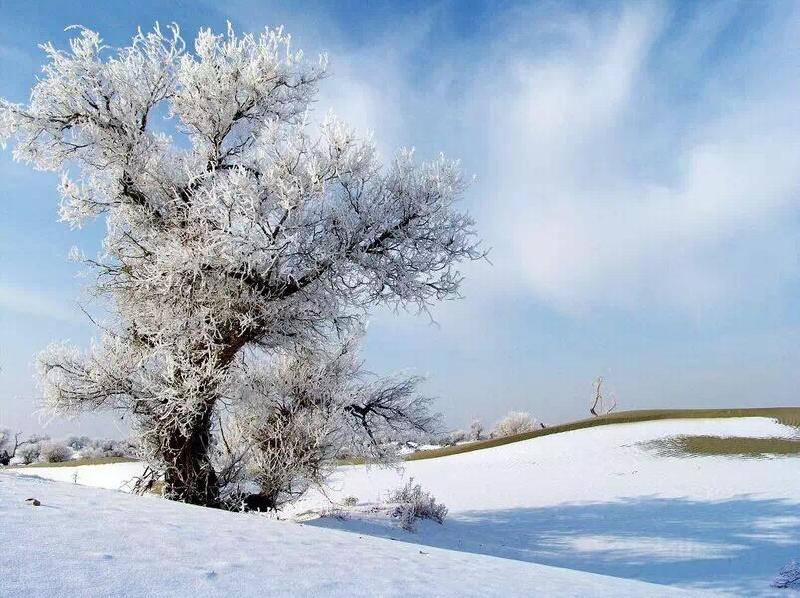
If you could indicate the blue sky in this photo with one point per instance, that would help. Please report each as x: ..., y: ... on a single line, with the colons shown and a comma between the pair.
x: 638, y: 177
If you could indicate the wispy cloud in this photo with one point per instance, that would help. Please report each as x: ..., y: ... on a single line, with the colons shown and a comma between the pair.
x: 624, y: 181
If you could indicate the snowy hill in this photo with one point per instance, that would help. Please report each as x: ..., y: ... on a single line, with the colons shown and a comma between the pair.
x: 92, y: 542
x: 595, y: 500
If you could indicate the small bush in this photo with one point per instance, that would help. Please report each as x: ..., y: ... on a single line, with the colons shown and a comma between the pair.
x: 350, y: 501
x: 97, y: 449
x: 789, y: 576
x: 55, y: 452
x: 92, y: 452
x: 413, y: 503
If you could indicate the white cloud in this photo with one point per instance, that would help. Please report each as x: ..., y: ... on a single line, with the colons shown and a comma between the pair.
x: 601, y: 201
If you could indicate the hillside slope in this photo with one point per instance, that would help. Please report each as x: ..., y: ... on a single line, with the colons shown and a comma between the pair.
x: 785, y: 415
x: 92, y: 542
x: 597, y: 499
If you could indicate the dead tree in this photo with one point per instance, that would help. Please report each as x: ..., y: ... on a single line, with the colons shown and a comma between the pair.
x: 598, y: 407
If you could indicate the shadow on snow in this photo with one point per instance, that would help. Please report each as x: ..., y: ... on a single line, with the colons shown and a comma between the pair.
x: 737, y: 544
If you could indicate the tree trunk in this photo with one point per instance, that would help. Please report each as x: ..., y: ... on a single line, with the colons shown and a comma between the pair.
x: 189, y: 474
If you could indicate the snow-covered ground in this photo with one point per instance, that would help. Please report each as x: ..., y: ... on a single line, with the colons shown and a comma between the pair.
x: 116, y: 476
x: 595, y: 500
x: 592, y: 500
x: 92, y: 542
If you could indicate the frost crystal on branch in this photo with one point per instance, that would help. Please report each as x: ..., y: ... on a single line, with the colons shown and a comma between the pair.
x: 235, y: 226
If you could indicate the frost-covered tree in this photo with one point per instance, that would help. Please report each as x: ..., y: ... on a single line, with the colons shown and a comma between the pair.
x: 476, y: 430
x: 54, y: 451
x: 78, y: 443
x: 234, y: 225
x: 28, y: 452
x: 456, y: 436
x: 788, y: 576
x: 516, y: 422
x: 300, y: 413
x: 9, y: 443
